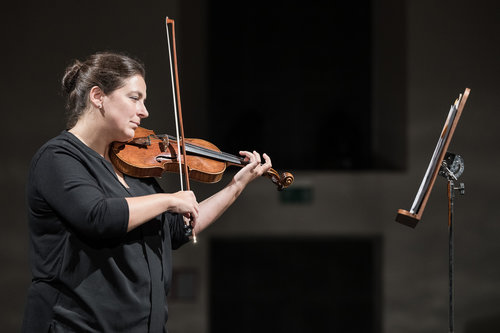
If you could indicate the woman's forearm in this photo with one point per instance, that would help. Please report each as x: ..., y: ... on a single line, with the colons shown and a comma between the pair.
x: 213, y: 207
x: 145, y: 208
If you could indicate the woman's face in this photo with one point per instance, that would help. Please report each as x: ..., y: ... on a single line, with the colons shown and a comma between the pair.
x: 124, y: 108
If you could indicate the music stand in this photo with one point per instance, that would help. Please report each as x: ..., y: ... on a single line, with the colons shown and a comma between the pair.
x: 447, y: 165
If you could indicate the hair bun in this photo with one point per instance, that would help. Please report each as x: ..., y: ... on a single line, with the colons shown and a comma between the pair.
x: 70, y: 76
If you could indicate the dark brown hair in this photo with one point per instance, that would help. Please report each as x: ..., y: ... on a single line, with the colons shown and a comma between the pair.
x: 106, y: 70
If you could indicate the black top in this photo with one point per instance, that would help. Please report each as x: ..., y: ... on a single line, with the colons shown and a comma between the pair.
x: 89, y: 274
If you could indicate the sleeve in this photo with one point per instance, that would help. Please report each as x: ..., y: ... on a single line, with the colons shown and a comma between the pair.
x: 74, y: 194
x: 178, y: 231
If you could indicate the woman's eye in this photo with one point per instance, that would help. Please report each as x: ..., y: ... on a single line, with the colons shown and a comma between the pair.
x: 136, y: 98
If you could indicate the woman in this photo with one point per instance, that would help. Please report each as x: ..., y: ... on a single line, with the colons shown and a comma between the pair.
x: 100, y: 240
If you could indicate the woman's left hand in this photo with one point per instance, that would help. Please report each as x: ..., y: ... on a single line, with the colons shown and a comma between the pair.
x: 253, y: 169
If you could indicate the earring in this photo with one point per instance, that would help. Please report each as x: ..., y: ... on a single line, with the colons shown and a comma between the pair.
x: 99, y: 106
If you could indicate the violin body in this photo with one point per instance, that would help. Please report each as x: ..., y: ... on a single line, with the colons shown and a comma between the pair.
x: 158, y: 157
x: 151, y: 155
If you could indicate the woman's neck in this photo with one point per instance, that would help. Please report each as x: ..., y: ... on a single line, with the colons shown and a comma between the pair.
x: 95, y: 136
x: 92, y: 136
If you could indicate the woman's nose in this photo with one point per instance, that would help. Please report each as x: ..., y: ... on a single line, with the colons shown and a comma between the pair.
x: 143, y: 112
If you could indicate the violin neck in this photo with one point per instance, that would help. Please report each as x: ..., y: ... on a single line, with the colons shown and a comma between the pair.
x: 216, y: 155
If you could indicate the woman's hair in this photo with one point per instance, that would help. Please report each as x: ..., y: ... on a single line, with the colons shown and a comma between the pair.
x: 106, y: 70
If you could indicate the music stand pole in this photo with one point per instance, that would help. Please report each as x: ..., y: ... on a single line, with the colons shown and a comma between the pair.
x: 446, y: 172
x: 451, y: 257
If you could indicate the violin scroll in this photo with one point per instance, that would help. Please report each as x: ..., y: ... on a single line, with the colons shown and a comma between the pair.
x: 282, y: 181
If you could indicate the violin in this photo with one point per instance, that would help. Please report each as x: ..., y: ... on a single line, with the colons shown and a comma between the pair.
x: 150, y: 155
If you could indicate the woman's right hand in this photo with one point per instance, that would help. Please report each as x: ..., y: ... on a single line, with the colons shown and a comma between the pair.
x: 184, y: 202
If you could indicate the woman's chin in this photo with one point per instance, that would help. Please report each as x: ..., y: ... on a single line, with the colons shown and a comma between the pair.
x: 130, y: 136
x: 126, y: 136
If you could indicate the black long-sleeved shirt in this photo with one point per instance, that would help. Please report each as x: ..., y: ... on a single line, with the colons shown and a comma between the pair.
x: 89, y: 274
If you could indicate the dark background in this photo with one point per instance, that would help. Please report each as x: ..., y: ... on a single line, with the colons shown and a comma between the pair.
x: 298, y: 77
x: 353, y: 107
x: 295, y: 284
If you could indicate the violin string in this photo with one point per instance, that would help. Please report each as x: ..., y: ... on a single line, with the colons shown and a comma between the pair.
x: 214, y: 154
x: 175, y: 105
x: 211, y: 153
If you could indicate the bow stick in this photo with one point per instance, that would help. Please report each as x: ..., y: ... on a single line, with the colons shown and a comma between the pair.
x: 174, y: 74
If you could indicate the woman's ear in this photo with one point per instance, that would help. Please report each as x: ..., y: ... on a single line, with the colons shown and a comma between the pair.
x: 96, y: 96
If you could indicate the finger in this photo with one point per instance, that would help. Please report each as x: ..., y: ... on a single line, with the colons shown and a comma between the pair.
x: 257, y: 156
x: 191, y: 222
x: 268, y: 163
x: 250, y: 158
x: 197, y: 209
x: 191, y: 195
x: 194, y: 216
x: 191, y: 198
x: 248, y: 155
x: 190, y: 217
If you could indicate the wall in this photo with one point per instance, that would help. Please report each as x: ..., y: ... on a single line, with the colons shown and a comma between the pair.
x: 449, y: 46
